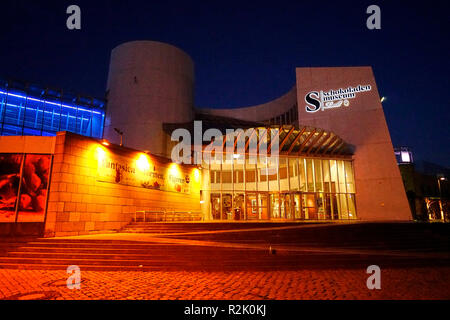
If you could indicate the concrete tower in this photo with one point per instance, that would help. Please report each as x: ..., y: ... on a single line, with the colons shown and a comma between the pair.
x: 149, y: 83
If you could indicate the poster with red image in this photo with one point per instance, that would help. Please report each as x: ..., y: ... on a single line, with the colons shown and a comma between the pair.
x: 33, y: 190
x: 10, y: 165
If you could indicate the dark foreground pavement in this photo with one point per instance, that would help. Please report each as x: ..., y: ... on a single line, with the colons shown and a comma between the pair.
x: 186, y: 261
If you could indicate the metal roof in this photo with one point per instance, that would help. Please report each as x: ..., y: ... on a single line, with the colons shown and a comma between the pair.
x: 292, y: 140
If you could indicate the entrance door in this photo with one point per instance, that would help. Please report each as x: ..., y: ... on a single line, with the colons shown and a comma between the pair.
x: 215, y: 206
x: 252, y: 207
x: 274, y: 206
x: 309, y: 206
x: 238, y: 207
x: 287, y: 214
x: 227, y: 206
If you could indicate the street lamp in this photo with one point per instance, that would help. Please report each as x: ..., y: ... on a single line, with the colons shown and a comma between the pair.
x: 441, y: 178
x: 121, y: 135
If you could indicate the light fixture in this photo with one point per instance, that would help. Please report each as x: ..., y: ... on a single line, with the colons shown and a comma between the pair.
x: 142, y: 163
x: 120, y: 132
x: 105, y: 142
x: 382, y: 99
x: 236, y: 156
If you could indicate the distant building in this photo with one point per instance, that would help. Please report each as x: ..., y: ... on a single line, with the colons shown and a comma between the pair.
x: 427, y: 187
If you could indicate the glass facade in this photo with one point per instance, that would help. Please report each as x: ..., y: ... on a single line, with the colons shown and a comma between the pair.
x: 31, y: 110
x: 287, y: 189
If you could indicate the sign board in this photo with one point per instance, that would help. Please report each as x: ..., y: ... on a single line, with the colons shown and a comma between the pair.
x: 144, y: 172
x: 323, y: 100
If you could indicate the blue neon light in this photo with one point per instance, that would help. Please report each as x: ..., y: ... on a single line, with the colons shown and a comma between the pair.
x: 33, y: 119
x: 48, y: 102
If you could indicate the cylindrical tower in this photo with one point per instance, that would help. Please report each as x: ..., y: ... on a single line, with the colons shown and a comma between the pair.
x: 149, y: 83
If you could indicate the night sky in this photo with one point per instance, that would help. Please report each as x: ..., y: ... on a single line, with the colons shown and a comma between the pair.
x: 245, y: 52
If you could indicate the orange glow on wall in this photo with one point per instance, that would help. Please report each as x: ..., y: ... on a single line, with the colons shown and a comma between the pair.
x: 143, y: 163
x: 101, y: 154
x: 196, y: 175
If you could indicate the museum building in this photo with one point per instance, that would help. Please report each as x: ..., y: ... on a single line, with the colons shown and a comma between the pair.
x: 320, y: 152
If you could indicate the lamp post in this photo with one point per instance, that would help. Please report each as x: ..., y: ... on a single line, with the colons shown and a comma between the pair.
x: 441, y: 178
x: 121, y: 135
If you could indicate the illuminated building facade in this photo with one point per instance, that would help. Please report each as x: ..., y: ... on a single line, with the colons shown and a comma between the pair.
x: 329, y: 156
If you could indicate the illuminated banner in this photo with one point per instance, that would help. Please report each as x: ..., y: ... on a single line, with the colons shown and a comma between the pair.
x: 31, y: 181
x: 322, y: 100
x: 144, y: 172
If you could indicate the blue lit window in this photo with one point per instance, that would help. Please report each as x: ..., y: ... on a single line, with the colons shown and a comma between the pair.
x: 32, y: 110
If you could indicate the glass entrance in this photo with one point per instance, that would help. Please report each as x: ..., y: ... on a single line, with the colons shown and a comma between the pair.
x: 252, y: 207
x: 215, y: 206
x: 238, y: 207
x: 227, y: 205
x: 274, y: 206
x: 286, y: 206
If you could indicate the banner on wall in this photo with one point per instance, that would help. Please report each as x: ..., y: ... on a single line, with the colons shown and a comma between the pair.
x: 144, y: 172
x: 30, y: 204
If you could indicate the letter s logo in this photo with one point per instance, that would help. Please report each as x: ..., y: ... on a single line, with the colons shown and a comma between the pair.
x: 312, y: 99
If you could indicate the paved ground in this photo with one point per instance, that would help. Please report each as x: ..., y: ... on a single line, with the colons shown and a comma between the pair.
x: 323, y: 262
x: 416, y: 283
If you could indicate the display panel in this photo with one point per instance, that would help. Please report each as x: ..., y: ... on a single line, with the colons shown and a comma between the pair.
x: 10, y: 166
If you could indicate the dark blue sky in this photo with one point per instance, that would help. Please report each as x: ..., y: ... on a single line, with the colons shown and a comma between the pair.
x: 245, y: 52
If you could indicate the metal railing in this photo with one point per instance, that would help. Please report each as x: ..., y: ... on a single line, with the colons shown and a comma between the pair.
x: 165, y: 216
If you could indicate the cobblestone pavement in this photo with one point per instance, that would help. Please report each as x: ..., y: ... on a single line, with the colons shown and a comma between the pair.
x: 411, y: 283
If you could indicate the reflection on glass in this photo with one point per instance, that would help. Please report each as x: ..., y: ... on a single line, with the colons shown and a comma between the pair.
x: 318, y: 174
x: 297, y: 206
x: 250, y: 176
x: 343, y: 203
x: 293, y: 174
x: 349, y: 177
x: 238, y: 207
x: 283, y: 173
x: 252, y: 206
x: 302, y: 172
x: 263, y: 213
x: 33, y: 191
x: 351, y: 206
x: 320, y: 201
x: 274, y: 205
x: 227, y: 206
x: 309, y: 206
x: 215, y: 206
x: 341, y: 176
x: 326, y: 175
x: 310, y: 175
x: 9, y: 185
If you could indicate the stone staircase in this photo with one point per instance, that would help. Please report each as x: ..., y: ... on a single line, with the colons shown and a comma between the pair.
x: 188, y: 227
x: 124, y: 255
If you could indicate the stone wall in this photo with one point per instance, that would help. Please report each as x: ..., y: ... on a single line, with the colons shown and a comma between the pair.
x: 79, y: 204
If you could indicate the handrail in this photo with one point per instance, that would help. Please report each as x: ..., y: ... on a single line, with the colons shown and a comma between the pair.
x: 164, y: 215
